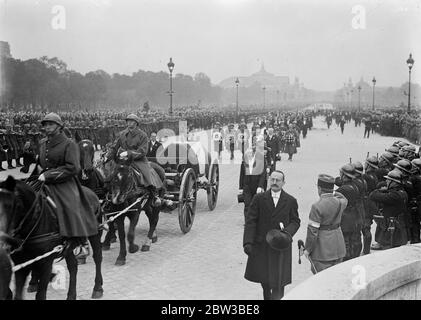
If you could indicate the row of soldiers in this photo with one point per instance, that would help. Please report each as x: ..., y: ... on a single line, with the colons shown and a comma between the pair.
x: 21, y: 132
x: 386, y: 190
x: 281, y: 134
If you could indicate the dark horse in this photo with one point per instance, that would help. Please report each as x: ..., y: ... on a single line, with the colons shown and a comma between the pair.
x: 31, y: 222
x: 123, y: 190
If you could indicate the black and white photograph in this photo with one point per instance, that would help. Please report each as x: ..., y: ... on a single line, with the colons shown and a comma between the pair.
x: 231, y: 151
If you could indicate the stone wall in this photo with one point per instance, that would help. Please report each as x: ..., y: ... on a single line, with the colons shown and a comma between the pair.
x: 385, y: 275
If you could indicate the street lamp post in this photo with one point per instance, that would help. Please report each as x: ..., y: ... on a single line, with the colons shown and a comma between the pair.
x: 347, y: 99
x: 236, y: 101
x: 264, y: 98
x: 359, y: 98
x: 410, y: 63
x: 374, y: 84
x: 171, y: 68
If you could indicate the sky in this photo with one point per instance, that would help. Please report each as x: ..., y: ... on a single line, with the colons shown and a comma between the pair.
x: 323, y: 43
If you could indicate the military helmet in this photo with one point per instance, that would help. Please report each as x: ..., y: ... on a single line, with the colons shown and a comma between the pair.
x: 133, y: 117
x: 409, y: 148
x: 403, y: 144
x: 416, y: 163
x: 403, y: 165
x: 388, y: 157
x: 348, y: 170
x: 395, y: 175
x: 393, y: 150
x: 358, y: 167
x: 372, y: 162
x: 52, y: 117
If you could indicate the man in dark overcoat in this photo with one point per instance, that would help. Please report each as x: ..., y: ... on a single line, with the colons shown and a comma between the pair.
x: 273, y: 209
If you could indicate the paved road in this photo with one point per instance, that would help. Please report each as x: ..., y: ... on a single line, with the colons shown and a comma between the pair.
x: 208, y: 262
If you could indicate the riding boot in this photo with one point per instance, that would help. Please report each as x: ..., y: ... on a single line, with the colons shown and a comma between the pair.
x: 18, y: 163
x: 9, y: 164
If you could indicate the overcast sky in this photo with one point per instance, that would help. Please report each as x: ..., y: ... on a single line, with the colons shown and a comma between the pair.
x: 312, y: 40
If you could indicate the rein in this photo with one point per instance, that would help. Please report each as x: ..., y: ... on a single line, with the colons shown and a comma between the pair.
x: 31, y: 209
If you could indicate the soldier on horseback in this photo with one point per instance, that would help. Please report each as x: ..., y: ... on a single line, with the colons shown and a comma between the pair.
x: 58, y: 166
x: 132, y: 146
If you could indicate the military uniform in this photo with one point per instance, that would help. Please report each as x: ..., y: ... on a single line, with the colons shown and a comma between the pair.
x: 135, y: 142
x: 325, y: 242
x: 351, y: 219
x: 391, y: 229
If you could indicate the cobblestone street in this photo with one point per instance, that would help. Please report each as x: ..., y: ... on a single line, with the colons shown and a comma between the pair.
x: 208, y: 262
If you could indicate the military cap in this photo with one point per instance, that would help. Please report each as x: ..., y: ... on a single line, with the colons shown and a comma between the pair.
x: 372, y: 162
x: 133, y: 117
x: 404, y: 165
x: 52, y: 117
x: 358, y: 167
x: 348, y: 170
x: 325, y: 181
x: 278, y: 239
x: 395, y: 175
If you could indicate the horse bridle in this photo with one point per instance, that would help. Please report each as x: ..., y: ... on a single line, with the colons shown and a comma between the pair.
x: 30, y: 210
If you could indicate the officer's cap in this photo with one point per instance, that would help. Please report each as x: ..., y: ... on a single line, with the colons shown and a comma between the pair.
x: 278, y: 239
x: 325, y: 181
x: 394, y: 175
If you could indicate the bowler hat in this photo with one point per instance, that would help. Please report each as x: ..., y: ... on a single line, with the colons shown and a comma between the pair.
x: 278, y: 239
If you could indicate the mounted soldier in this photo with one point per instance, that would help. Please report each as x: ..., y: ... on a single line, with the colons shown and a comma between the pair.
x: 132, y: 146
x: 58, y: 166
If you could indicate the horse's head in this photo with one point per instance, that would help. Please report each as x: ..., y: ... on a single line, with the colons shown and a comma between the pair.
x: 121, y: 184
x: 15, y: 200
x: 87, y: 152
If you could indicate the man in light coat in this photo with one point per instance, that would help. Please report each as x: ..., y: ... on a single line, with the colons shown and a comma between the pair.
x: 325, y: 244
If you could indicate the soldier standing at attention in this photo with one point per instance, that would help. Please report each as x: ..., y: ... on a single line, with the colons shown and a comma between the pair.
x: 325, y: 244
x: 391, y: 229
x: 350, y: 222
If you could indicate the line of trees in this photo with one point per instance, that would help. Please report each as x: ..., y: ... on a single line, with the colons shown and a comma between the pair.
x: 47, y: 83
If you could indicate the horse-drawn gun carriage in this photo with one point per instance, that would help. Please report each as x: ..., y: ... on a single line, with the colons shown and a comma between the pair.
x: 188, y: 168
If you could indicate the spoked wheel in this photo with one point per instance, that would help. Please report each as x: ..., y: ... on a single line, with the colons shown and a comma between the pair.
x: 213, y: 185
x: 187, y: 200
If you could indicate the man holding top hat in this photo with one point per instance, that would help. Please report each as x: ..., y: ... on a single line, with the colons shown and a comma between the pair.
x: 271, y: 222
x: 325, y: 244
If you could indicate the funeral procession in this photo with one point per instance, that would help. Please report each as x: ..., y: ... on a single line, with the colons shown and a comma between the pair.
x: 210, y: 150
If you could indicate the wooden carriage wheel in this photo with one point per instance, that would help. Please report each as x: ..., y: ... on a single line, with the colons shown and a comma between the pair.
x: 187, y: 200
x: 213, y: 185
